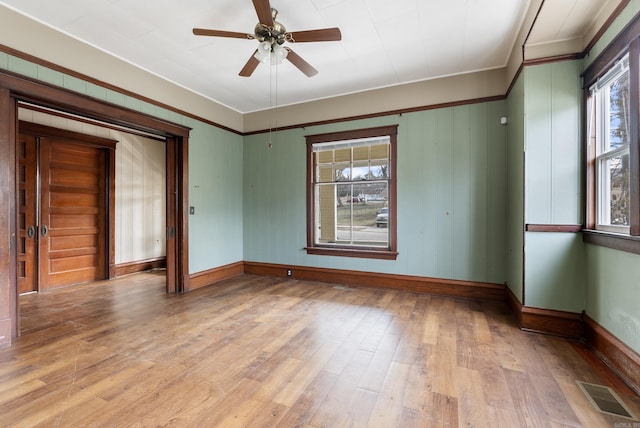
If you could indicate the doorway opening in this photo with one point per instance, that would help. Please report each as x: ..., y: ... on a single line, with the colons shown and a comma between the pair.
x: 91, y: 201
x: 15, y: 90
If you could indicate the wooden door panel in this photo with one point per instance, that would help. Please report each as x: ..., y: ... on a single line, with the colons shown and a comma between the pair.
x: 73, y: 210
x: 26, y: 242
x: 61, y: 243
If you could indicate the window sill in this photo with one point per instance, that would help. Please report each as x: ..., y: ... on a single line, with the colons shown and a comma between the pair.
x: 626, y: 243
x: 347, y: 252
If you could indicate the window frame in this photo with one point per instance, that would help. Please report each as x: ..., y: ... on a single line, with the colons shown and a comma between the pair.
x: 604, y: 153
x: 386, y: 253
x: 627, y: 42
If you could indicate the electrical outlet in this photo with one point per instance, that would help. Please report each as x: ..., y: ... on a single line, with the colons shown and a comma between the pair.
x: 288, y: 272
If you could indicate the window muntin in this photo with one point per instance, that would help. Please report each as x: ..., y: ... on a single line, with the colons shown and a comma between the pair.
x: 611, y: 95
x: 351, y: 193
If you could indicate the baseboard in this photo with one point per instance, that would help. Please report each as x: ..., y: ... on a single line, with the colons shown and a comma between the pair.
x: 546, y: 321
x: 211, y: 276
x: 621, y: 359
x: 447, y: 287
x: 140, y: 266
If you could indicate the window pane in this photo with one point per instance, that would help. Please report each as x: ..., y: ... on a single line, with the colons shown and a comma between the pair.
x: 343, y: 218
x: 619, y: 112
x: 619, y: 190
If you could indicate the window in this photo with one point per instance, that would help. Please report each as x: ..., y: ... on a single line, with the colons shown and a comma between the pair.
x: 351, y: 201
x: 611, y: 109
x: 612, y: 94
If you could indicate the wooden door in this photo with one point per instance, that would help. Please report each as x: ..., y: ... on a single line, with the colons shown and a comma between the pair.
x: 72, y: 214
x: 62, y: 207
x: 27, y: 221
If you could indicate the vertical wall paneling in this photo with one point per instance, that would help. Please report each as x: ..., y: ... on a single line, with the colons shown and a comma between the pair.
x: 410, y: 203
x: 555, y: 274
x: 445, y: 194
x: 553, y: 278
x: 216, y: 193
x: 496, y: 232
x: 515, y: 190
x: 140, y: 199
x: 553, y: 149
x: 444, y: 212
x: 430, y: 179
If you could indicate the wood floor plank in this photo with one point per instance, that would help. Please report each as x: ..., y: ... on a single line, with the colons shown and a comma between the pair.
x: 388, y: 409
x: 265, y: 352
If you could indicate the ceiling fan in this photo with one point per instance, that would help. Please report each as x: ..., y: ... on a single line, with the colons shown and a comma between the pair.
x: 272, y: 35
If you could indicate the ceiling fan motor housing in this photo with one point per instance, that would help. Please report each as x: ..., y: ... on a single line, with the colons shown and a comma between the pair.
x: 275, y: 34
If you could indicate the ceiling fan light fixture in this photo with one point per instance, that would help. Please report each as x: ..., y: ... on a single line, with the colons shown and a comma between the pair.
x: 270, y: 53
x: 278, y: 54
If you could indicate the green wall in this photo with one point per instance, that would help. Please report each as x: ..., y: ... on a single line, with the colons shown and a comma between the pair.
x: 613, y: 292
x: 515, y: 190
x: 554, y: 274
x: 613, y: 277
x: 215, y: 169
x: 451, y: 195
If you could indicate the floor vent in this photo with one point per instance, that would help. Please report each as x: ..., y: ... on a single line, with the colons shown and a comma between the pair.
x: 605, y: 400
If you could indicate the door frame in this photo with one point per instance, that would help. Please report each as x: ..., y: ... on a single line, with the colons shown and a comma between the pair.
x: 15, y: 88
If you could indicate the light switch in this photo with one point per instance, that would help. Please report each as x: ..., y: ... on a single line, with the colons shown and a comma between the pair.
x: 192, y: 210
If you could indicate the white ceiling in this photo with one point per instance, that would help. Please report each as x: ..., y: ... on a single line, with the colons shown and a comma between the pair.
x: 383, y: 43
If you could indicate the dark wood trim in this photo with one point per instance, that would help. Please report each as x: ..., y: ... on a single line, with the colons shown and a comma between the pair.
x: 546, y: 321
x: 552, y: 59
x: 626, y: 243
x: 514, y: 304
x: 389, y: 253
x: 398, y: 112
x: 590, y: 161
x: 356, y: 253
x: 111, y: 214
x: 613, y: 52
x: 624, y: 361
x: 69, y: 136
x: 182, y: 232
x: 634, y: 137
x: 8, y: 235
x: 53, y: 97
x: 623, y: 4
x: 139, y: 266
x: 514, y: 80
x: 80, y: 119
x: 446, y: 287
x: 559, y: 228
x: 89, y: 79
x: 211, y: 276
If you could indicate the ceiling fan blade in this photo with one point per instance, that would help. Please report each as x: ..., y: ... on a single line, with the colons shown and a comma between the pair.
x: 219, y: 33
x: 263, y: 10
x: 250, y: 66
x: 323, y: 35
x: 301, y: 64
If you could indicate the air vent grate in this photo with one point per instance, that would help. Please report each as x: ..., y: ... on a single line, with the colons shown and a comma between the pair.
x: 605, y: 400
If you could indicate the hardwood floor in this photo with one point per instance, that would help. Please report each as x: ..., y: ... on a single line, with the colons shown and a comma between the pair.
x: 257, y: 351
